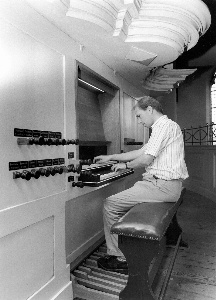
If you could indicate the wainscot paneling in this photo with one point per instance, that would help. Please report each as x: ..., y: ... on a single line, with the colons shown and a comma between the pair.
x: 201, y: 164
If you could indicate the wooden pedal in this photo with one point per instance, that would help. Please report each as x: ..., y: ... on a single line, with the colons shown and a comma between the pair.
x: 99, y: 274
x: 88, y: 293
x: 93, y: 265
x: 95, y: 279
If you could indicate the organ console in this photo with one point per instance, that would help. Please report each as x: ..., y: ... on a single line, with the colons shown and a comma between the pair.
x: 49, y: 189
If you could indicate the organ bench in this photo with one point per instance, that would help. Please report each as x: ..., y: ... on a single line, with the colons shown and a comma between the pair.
x: 143, y: 234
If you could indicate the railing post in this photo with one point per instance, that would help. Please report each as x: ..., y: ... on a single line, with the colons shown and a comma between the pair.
x: 200, y: 137
x: 208, y: 134
x: 184, y: 135
x: 212, y: 133
x: 213, y: 128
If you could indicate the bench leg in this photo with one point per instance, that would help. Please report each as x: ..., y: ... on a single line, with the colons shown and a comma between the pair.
x: 139, y: 254
x: 173, y: 232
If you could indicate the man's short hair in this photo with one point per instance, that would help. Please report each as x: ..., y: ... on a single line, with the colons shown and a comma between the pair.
x: 146, y: 101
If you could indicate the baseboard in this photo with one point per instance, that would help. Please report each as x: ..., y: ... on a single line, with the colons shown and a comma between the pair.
x: 65, y: 293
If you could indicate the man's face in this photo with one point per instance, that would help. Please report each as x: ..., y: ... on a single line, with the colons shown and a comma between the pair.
x: 145, y: 117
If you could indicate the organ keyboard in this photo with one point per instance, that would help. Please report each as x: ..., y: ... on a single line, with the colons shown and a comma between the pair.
x: 99, y: 174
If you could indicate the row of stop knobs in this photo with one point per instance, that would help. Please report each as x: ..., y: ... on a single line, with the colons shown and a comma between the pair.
x: 46, y: 141
x: 52, y: 141
x: 36, y: 173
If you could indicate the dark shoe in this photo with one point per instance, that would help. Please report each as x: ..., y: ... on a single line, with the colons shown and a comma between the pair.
x: 111, y: 263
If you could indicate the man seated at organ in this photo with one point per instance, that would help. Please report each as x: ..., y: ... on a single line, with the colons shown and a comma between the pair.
x: 165, y: 169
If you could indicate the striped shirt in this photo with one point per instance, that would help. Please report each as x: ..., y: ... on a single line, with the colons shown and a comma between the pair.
x: 167, y: 146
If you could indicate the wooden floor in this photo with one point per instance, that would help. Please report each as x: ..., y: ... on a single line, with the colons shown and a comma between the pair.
x: 194, y: 274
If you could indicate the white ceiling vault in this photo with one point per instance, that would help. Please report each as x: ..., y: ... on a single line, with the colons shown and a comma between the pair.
x: 138, y: 39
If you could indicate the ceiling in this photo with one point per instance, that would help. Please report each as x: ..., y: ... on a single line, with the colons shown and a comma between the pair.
x: 112, y: 52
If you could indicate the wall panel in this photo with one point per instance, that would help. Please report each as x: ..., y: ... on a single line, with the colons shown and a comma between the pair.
x: 32, y: 97
x: 18, y: 248
x: 201, y: 166
x: 32, y: 213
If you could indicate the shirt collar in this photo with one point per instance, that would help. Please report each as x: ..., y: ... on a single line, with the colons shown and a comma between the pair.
x: 159, y: 120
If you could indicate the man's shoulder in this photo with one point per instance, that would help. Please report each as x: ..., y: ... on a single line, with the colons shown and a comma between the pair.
x: 164, y: 123
x: 168, y: 126
x: 164, y: 120
x: 171, y: 122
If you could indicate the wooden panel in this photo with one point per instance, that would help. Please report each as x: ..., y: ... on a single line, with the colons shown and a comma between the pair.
x: 200, y: 162
x: 196, y: 165
x: 32, y: 97
x: 214, y: 171
x: 32, y: 249
x: 129, y: 117
x: 89, y: 116
x: 109, y: 106
x: 132, y: 129
x: 84, y: 221
x: 27, y: 261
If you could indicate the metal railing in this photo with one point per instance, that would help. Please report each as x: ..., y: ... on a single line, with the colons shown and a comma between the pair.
x: 202, y: 135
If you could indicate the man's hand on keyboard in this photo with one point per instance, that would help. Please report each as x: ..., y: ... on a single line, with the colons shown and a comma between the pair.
x: 119, y: 166
x: 102, y: 159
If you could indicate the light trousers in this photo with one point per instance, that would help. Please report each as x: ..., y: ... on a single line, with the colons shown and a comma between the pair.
x: 147, y: 190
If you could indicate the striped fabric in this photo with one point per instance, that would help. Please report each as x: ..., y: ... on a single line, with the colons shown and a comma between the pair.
x: 167, y: 146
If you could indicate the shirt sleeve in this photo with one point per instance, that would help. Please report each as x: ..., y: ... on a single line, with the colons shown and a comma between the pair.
x: 158, y: 140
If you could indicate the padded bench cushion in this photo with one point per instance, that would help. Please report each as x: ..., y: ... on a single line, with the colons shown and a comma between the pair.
x: 147, y: 220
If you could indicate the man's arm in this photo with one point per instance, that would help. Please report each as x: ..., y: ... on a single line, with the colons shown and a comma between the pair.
x: 124, y: 157
x: 141, y: 161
